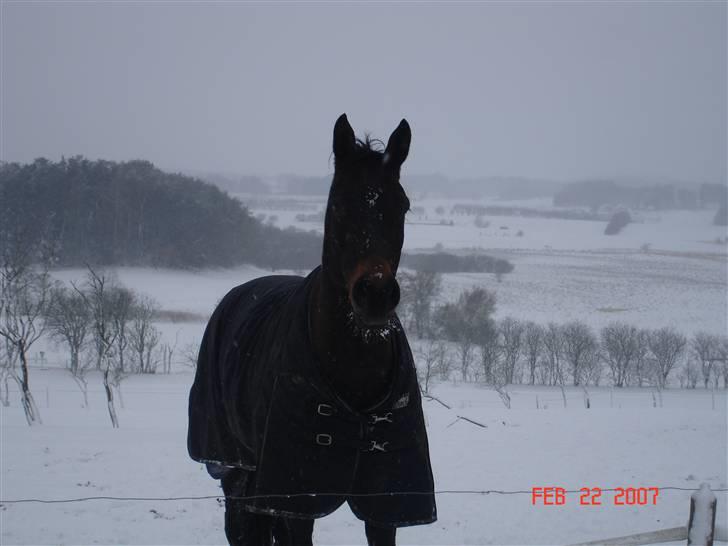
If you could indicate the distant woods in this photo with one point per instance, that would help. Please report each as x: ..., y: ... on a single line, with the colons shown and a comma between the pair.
x: 599, y: 193
x: 78, y: 211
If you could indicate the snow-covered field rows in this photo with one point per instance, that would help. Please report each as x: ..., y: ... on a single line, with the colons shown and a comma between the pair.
x: 622, y: 441
x: 678, y: 231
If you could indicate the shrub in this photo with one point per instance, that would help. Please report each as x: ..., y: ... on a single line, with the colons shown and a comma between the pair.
x: 618, y: 221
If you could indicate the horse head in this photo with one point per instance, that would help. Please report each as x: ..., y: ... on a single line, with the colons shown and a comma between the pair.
x: 364, y: 224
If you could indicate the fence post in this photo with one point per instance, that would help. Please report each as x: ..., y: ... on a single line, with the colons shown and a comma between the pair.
x: 701, y: 526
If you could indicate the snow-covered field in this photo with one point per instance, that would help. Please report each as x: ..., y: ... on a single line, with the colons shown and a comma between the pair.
x: 564, y: 270
x: 622, y: 441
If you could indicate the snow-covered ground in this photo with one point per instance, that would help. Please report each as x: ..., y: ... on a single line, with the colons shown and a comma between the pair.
x: 564, y: 270
x: 622, y: 441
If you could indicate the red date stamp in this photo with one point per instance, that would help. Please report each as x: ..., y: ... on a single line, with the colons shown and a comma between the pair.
x: 596, y: 496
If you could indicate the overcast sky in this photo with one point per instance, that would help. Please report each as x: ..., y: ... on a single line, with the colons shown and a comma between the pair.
x: 557, y: 91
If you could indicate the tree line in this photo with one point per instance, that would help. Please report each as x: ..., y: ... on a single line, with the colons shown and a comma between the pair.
x: 78, y: 211
x: 464, y: 339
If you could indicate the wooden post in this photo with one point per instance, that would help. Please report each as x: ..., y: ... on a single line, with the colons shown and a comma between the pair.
x: 701, y: 527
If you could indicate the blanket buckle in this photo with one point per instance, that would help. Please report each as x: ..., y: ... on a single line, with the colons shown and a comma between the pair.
x: 325, y: 410
x: 386, y: 418
x: 324, y: 439
x: 378, y: 446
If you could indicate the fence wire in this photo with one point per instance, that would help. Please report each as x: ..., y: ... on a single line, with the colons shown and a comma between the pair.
x: 298, y: 495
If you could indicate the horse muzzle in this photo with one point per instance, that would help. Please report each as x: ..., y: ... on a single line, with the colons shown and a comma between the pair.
x: 374, y: 297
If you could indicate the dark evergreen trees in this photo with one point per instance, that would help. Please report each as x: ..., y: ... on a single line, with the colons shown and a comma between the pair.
x: 132, y: 213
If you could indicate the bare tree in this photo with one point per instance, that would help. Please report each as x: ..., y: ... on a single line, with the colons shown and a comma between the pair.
x: 122, y: 307
x: 431, y: 355
x: 723, y: 354
x: 705, y: 348
x: 591, y: 369
x: 511, y: 336
x: 620, y: 343
x: 667, y: 347
x: 553, y: 343
x: 690, y: 374
x: 640, y: 368
x: 491, y: 350
x: 24, y: 296
x: 143, y: 336
x: 532, y: 345
x: 579, y: 346
x: 8, y: 363
x: 97, y: 294
x: 68, y: 318
x: 190, y: 352
x: 79, y: 376
x: 419, y: 290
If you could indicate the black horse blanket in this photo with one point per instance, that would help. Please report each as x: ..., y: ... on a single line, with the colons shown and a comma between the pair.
x: 259, y: 403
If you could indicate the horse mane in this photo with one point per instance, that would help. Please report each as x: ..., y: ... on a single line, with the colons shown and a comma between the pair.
x: 369, y: 146
x: 367, y: 150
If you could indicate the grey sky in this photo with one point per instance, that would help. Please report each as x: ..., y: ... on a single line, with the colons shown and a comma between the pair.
x: 559, y: 91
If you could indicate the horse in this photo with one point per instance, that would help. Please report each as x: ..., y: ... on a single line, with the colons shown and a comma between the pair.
x: 305, y: 394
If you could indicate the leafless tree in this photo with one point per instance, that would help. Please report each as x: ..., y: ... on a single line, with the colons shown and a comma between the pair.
x: 25, y: 294
x: 640, y: 368
x: 166, y: 354
x: 591, y: 369
x: 705, y: 349
x: 189, y: 354
x: 620, y: 344
x: 79, y: 376
x: 431, y: 354
x: 97, y: 293
x: 122, y: 308
x: 491, y: 350
x: 553, y: 343
x: 511, y: 337
x: 532, y: 346
x: 143, y: 336
x: 68, y: 318
x: 667, y: 347
x: 8, y: 364
x: 723, y: 355
x: 579, y: 346
x: 419, y: 290
x: 690, y: 374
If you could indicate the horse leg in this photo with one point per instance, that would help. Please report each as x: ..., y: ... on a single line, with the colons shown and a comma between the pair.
x: 293, y: 532
x: 243, y: 528
x: 247, y: 529
x: 379, y: 535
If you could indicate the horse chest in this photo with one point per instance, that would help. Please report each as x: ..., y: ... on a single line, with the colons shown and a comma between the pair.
x: 364, y: 382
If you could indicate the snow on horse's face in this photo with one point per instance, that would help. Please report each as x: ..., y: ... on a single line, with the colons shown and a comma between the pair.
x: 364, y: 227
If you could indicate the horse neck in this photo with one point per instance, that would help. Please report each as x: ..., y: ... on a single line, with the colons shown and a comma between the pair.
x: 360, y: 372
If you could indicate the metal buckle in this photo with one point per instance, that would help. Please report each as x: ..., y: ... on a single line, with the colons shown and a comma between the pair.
x: 376, y: 446
x: 325, y: 410
x: 374, y: 418
x: 324, y: 439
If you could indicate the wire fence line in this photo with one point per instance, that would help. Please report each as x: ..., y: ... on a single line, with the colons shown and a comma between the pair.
x: 300, y: 495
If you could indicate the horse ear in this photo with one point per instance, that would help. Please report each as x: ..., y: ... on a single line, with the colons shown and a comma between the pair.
x: 398, y: 145
x: 344, y: 140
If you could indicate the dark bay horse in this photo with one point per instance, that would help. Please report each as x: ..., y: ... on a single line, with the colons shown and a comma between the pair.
x: 305, y: 395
